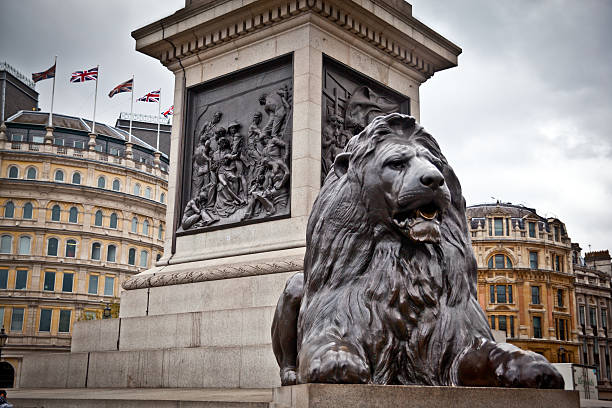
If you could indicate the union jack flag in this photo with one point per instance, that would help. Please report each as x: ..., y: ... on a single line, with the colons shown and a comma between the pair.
x: 170, y: 111
x: 39, y: 76
x: 87, y: 75
x: 123, y: 87
x: 150, y: 97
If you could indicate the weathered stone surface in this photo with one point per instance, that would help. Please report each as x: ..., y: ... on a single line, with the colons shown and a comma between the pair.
x: 61, y: 370
x: 95, y: 335
x: 358, y: 396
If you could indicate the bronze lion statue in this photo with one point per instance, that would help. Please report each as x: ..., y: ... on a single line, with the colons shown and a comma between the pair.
x: 388, y: 292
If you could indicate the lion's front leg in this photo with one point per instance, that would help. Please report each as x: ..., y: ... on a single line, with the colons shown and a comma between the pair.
x: 328, y: 360
x: 488, y: 364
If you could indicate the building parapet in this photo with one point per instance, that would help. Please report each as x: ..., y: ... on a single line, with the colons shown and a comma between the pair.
x: 4, y: 66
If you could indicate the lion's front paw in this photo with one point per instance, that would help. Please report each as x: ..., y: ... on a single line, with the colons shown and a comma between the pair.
x: 529, y: 372
x: 335, y: 364
x: 288, y: 376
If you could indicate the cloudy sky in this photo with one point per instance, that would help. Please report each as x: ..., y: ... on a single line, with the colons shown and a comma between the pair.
x: 525, y: 118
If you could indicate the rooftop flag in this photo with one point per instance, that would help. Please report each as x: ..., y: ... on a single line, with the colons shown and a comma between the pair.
x: 152, y: 96
x: 39, y: 76
x: 87, y: 75
x: 124, y: 87
x: 170, y: 111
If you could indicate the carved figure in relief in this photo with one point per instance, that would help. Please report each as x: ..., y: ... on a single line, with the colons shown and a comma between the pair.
x: 237, y: 155
x: 258, y: 196
x: 228, y: 200
x: 195, y: 215
x: 276, y: 105
x: 388, y: 292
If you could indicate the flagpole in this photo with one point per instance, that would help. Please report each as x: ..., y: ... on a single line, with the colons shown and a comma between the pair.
x: 158, y: 115
x: 93, y: 127
x: 131, y: 111
x: 53, y: 94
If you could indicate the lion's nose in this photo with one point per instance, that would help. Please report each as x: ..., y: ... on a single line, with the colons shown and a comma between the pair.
x: 432, y: 179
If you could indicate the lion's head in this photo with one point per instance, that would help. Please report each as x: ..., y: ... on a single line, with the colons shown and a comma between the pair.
x: 390, y: 188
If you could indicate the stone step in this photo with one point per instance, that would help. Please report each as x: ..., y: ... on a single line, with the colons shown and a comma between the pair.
x: 140, y: 398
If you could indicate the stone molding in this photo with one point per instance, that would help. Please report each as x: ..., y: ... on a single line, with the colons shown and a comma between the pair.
x: 401, y: 36
x: 238, y: 270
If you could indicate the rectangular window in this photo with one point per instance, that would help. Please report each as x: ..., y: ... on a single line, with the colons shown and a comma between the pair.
x: 560, y: 297
x: 561, y: 329
x: 557, y: 234
x: 67, y: 282
x: 557, y: 263
x: 109, y: 286
x: 532, y: 230
x: 490, y: 228
x: 49, y: 281
x: 93, y: 285
x: 79, y: 144
x: 535, y: 295
x: 510, y: 300
x: 499, y: 226
x: 17, y: 319
x: 593, y: 316
x: 99, y: 148
x: 493, y: 322
x: 511, y: 326
x: 58, y: 142
x: 604, y: 318
x: 64, y: 321
x: 581, y: 314
x: 537, y: 327
x: 501, y: 294
x: 45, y: 320
x: 492, y: 293
x: 21, y: 280
x: 3, y: 278
x: 499, y: 261
x: 38, y: 139
x: 502, y: 323
x: 507, y: 226
x: 533, y: 260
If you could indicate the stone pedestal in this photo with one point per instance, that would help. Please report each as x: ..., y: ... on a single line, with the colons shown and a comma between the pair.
x: 202, y: 316
x: 367, y: 396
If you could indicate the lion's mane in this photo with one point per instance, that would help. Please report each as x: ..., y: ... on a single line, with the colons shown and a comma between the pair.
x: 408, y: 308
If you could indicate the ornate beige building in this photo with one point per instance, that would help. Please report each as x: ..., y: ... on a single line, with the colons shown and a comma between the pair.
x: 79, y: 214
x: 525, y: 278
x: 594, y: 302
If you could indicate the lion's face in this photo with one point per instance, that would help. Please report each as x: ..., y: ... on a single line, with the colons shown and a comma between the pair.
x: 405, y: 190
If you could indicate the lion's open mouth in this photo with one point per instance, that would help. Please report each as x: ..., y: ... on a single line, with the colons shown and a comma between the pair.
x: 420, y: 224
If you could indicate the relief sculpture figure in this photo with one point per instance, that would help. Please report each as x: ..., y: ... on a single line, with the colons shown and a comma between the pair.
x: 388, y: 292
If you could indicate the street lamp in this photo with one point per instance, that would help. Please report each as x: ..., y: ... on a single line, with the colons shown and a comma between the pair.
x: 107, y: 312
x: 3, y: 339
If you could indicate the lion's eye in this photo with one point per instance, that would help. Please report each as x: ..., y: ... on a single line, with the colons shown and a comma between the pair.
x: 396, y: 164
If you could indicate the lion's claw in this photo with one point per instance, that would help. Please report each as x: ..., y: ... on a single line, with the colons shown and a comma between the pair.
x: 336, y: 365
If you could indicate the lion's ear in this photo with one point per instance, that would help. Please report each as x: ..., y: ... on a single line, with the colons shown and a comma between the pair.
x: 341, y: 163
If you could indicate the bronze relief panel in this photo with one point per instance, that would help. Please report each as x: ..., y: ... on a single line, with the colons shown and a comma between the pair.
x: 350, y: 101
x: 237, y: 150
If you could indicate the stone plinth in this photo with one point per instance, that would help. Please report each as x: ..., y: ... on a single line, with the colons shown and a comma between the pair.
x: 362, y: 396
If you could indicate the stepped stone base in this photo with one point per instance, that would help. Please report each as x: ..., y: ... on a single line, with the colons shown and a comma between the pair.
x: 299, y: 396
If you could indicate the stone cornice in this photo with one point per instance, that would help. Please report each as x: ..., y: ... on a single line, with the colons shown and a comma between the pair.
x: 382, y: 23
x: 238, y: 270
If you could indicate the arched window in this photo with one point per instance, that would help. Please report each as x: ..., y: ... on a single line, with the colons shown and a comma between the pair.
x: 113, y: 220
x: 9, y: 210
x: 116, y: 185
x: 145, y: 228
x: 148, y: 192
x: 95, y: 251
x: 56, y: 212
x: 59, y: 175
x: 98, y: 218
x: 132, y: 256
x: 13, y: 172
x: 137, y: 189
x: 157, y: 257
x: 76, y: 178
x: 6, y: 244
x: 143, y: 258
x: 24, y: 245
x: 31, y: 173
x: 162, y: 198
x: 52, y: 245
x: 28, y: 209
x: 73, y: 215
x: 111, y: 253
x: 160, y: 232
x: 499, y: 261
x: 71, y: 248
x: 101, y: 182
x: 135, y: 225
